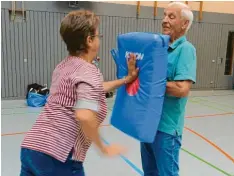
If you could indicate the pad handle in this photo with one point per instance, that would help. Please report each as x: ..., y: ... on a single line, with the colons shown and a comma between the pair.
x: 163, y: 38
x: 114, y: 54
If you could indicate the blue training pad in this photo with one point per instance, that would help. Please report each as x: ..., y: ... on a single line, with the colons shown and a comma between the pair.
x: 138, y: 106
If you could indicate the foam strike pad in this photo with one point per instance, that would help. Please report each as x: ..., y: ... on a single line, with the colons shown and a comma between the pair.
x: 138, y: 106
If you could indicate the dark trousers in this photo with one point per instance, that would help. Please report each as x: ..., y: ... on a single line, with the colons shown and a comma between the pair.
x: 35, y: 163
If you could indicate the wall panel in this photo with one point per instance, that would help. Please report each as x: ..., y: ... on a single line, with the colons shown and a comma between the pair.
x: 32, y: 49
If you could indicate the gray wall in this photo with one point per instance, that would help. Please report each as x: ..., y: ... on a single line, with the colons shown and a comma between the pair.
x: 31, y: 49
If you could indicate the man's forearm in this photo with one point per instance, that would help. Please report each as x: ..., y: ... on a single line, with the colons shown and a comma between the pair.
x: 177, y: 89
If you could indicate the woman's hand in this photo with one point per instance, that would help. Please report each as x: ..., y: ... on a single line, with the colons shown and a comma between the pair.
x: 132, y: 70
x: 113, y: 150
x: 132, y: 75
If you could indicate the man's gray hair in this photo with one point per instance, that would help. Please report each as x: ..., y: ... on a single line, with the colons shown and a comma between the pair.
x: 186, y: 12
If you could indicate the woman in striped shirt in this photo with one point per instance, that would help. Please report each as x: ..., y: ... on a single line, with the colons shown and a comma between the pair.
x: 58, y: 141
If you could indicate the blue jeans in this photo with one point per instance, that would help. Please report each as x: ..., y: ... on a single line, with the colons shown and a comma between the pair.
x: 161, y: 158
x: 35, y: 163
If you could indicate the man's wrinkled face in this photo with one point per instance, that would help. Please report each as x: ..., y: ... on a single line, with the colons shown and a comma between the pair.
x: 172, y: 23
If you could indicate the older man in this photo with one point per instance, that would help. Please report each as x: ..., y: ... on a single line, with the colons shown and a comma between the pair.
x: 161, y: 158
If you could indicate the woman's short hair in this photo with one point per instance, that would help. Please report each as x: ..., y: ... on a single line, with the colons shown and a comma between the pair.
x: 76, y: 27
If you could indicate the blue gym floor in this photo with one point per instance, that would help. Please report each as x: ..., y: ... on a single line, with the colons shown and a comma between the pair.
x: 207, y: 150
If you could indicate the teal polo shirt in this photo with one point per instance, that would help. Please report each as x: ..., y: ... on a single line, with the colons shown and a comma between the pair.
x: 181, y: 66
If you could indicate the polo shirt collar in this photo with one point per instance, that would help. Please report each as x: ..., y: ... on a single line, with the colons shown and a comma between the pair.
x: 178, y: 42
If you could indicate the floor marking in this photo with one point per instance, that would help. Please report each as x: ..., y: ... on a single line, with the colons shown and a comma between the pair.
x: 20, y: 133
x: 210, y: 106
x: 12, y: 113
x: 17, y: 107
x: 132, y: 165
x: 13, y: 134
x: 215, y: 102
x: 139, y: 171
x: 214, y: 95
x: 190, y: 130
x: 193, y: 100
x: 104, y: 125
x: 211, y: 143
x: 205, y: 139
x: 211, y: 115
x: 211, y: 165
x: 32, y: 112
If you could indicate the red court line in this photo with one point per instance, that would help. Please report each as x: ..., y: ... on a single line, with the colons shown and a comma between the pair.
x: 13, y: 134
x: 208, y: 115
x: 18, y: 133
x: 211, y: 143
x: 190, y: 130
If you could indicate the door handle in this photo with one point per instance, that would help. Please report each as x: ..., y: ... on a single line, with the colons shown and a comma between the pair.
x: 220, y: 60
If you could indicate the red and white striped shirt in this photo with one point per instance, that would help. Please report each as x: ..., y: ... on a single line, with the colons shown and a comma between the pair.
x: 75, y: 84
